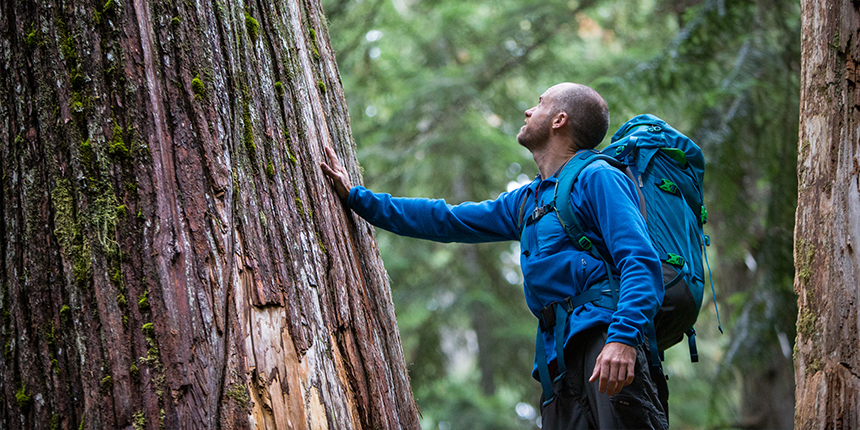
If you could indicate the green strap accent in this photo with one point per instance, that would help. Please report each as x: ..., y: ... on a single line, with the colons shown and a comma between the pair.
x: 584, y: 243
x: 668, y: 186
x: 704, y: 215
x: 675, y: 260
x: 620, y: 149
x: 566, y: 178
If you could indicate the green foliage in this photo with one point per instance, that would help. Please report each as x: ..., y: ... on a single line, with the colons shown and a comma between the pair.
x: 279, y: 88
x: 437, y: 92
x: 321, y: 86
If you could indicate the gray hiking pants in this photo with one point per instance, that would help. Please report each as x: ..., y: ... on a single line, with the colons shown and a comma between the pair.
x: 579, y: 404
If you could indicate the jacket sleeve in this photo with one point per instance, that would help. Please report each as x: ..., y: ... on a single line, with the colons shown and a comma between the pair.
x: 611, y: 201
x: 487, y: 221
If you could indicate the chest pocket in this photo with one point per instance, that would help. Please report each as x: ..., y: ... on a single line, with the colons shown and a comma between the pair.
x: 551, y: 237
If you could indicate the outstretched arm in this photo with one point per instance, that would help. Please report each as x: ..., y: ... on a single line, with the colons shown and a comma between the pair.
x: 487, y: 221
x: 338, y: 175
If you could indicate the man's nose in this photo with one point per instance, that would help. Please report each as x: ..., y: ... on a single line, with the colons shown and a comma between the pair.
x: 529, y: 112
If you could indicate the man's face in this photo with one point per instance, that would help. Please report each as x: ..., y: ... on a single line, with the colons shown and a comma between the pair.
x: 535, y: 133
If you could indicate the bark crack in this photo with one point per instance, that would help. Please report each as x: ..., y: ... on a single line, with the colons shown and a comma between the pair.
x: 849, y: 369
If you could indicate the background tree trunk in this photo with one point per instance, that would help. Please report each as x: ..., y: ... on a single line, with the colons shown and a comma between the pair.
x: 827, y: 234
x: 171, y: 254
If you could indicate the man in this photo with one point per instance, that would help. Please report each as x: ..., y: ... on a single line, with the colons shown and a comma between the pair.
x: 608, y: 381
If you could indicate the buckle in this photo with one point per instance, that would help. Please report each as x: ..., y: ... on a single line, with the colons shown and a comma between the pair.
x: 547, y: 317
x: 584, y: 243
x: 668, y: 186
x: 675, y: 260
x: 568, y: 304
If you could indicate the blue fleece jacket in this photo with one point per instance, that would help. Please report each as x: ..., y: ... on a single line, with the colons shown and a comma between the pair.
x: 606, y: 203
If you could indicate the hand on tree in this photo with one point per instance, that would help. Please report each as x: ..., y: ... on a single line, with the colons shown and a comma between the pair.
x: 338, y: 175
x: 614, y: 367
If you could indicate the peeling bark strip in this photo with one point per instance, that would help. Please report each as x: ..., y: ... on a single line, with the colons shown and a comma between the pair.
x: 827, y: 232
x: 170, y: 253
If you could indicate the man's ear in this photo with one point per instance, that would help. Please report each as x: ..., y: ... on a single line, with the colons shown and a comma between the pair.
x: 559, y: 120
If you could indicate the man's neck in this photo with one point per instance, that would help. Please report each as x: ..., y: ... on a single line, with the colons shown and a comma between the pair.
x: 551, y: 157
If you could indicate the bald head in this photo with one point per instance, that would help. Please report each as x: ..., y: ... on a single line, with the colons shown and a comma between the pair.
x: 588, y: 115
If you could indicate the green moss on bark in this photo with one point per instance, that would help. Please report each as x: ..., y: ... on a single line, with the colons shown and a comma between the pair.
x: 148, y: 330
x: 138, y: 420
x: 117, y: 147
x: 22, y: 397
x: 270, y: 171
x: 248, y: 134
x: 198, y: 87
x: 143, y: 301
x: 252, y: 26
x: 314, y: 49
x: 67, y: 230
x: 239, y: 393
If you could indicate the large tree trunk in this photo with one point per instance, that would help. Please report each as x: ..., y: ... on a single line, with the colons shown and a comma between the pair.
x: 827, y: 234
x: 171, y: 254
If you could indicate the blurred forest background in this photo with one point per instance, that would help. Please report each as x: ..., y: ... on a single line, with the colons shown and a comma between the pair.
x: 436, y: 91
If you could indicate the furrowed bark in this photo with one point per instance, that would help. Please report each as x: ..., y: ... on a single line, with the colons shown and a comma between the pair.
x: 827, y: 233
x: 171, y: 253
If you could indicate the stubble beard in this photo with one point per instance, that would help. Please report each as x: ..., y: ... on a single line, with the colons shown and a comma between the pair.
x: 534, y: 135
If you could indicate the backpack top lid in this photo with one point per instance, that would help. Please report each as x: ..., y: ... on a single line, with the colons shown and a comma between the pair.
x: 647, y: 125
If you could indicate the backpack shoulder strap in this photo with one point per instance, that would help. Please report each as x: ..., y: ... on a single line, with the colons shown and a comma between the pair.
x: 568, y: 176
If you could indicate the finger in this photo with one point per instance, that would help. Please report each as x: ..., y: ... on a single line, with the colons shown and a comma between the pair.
x: 604, y: 377
x: 333, y: 158
x: 630, y: 374
x: 619, y: 377
x: 612, y: 381
x: 328, y: 171
x: 596, y: 373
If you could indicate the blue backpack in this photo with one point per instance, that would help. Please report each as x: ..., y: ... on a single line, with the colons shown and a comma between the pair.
x: 668, y: 169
